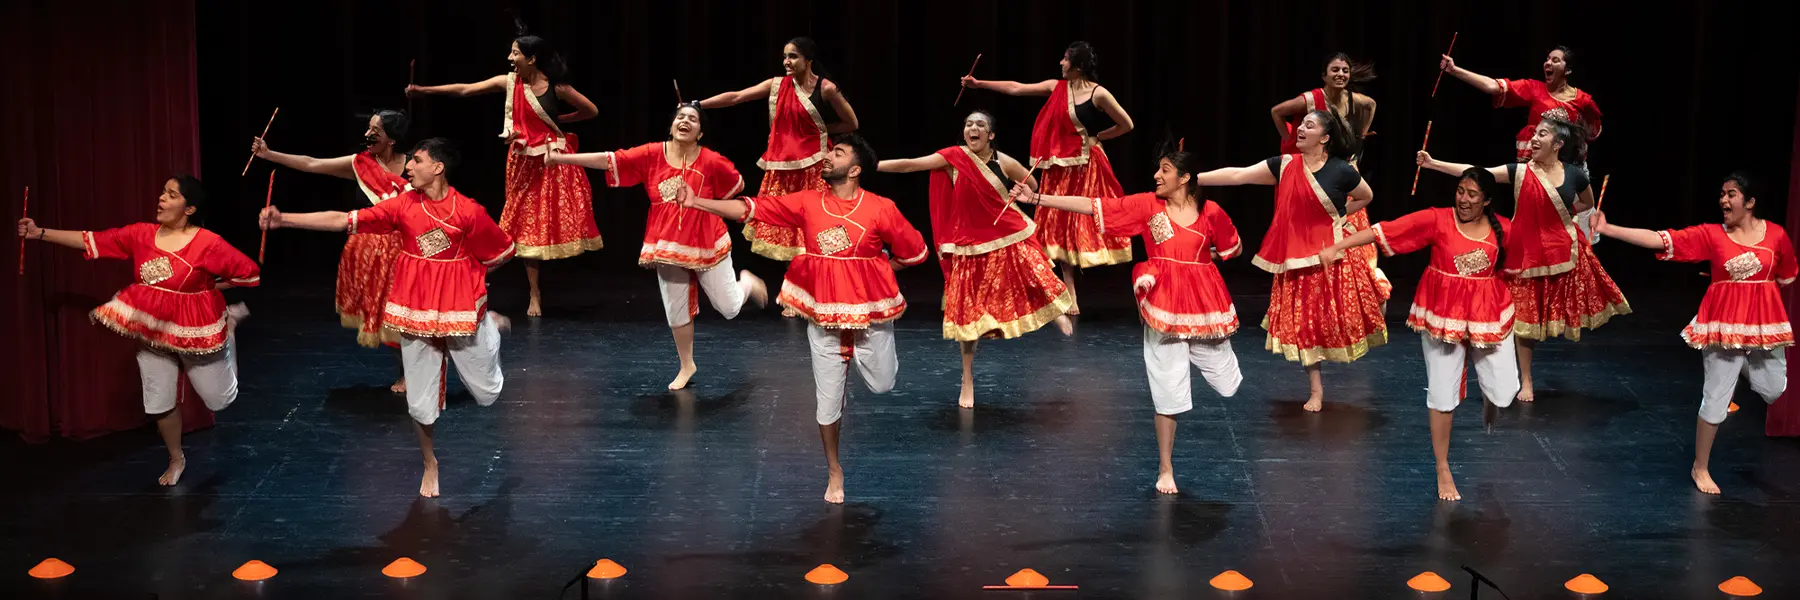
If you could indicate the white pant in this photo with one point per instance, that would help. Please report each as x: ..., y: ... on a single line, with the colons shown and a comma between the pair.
x: 1166, y: 360
x: 214, y: 376
x: 1497, y: 369
x: 833, y: 349
x: 1766, y: 370
x: 477, y: 359
x: 727, y: 292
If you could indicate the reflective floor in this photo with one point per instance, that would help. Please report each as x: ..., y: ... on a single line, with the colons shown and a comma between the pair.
x: 715, y: 492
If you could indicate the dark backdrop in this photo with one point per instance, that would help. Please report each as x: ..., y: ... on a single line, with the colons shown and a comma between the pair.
x: 1689, y: 93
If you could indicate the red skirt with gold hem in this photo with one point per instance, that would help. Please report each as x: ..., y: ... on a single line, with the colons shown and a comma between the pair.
x: 1563, y: 304
x: 777, y: 242
x: 1002, y: 294
x: 1315, y: 316
x: 1072, y: 238
x: 365, y: 272
x: 549, y: 208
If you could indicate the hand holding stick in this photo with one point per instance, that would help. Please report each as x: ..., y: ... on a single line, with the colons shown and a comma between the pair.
x: 1416, y: 169
x: 1009, y: 200
x: 24, y: 213
x: 267, y: 202
x: 1440, y: 77
x: 265, y: 134
x: 960, y: 90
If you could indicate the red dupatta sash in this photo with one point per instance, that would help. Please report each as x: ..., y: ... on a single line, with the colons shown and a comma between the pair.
x: 374, y: 180
x: 965, y: 200
x: 1542, y: 239
x: 1305, y: 221
x: 1057, y: 138
x: 526, y: 122
x: 797, y: 135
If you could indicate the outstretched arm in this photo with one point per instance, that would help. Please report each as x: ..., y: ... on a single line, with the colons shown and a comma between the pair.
x: 760, y: 90
x: 912, y: 165
x: 736, y: 210
x: 1331, y: 253
x: 1486, y: 84
x: 584, y: 108
x: 273, y: 218
x: 1013, y: 88
x: 339, y: 167
x: 490, y: 85
x: 1075, y: 204
x: 1631, y: 235
x: 846, y: 116
x: 1293, y: 107
x: 1423, y: 159
x: 28, y: 229
x: 1257, y: 174
x: 599, y: 161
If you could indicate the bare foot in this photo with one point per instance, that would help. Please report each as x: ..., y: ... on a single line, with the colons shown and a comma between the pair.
x: 1447, y: 486
x: 1703, y: 480
x: 759, y: 291
x: 682, y: 377
x: 1074, y: 310
x: 1526, y: 394
x: 789, y: 312
x: 1315, y: 402
x: 177, y: 465
x: 428, y: 484
x: 834, y: 488
x: 399, y: 386
x: 1065, y: 325
x: 967, y: 398
x: 501, y: 322
x: 1165, y: 482
x: 536, y: 309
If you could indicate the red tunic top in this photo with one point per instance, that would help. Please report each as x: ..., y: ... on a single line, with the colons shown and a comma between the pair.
x: 1058, y: 138
x: 1535, y: 94
x: 173, y: 305
x: 1459, y: 298
x: 1307, y: 216
x: 529, y: 129
x: 797, y: 134
x: 843, y: 281
x: 374, y: 180
x: 966, y: 200
x: 1543, y: 243
x: 1179, y: 291
x: 1742, y: 308
x: 683, y: 237
x: 440, y: 279
x: 1315, y: 100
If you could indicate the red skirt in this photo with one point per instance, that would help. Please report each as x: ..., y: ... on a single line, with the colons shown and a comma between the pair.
x: 1314, y: 316
x: 1072, y: 238
x: 1456, y: 309
x: 1183, y: 299
x: 1740, y: 315
x: 549, y: 208
x: 1359, y: 221
x: 1003, y: 294
x: 182, y: 322
x: 776, y: 242
x: 365, y: 272
x: 1563, y: 304
x: 842, y: 293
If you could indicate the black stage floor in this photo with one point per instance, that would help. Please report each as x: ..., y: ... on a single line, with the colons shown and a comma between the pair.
x: 716, y: 493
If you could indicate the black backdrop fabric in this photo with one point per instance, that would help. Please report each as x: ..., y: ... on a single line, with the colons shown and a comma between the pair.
x: 1689, y: 92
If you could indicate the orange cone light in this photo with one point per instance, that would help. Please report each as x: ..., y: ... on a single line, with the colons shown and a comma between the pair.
x: 1027, y: 578
x: 255, y: 570
x: 605, y: 568
x: 1586, y: 584
x: 1231, y: 581
x: 402, y: 568
x: 1731, y: 408
x: 1428, y: 582
x: 827, y: 575
x: 1740, y: 586
x: 51, y: 568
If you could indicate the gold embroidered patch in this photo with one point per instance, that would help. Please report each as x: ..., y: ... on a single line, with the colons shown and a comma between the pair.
x: 1473, y: 262
x: 433, y: 242
x: 1742, y: 266
x: 1160, y: 228
x: 156, y: 270
x: 834, y: 240
x: 669, y: 187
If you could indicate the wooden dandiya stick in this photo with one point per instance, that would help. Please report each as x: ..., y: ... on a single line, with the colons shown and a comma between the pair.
x: 960, y: 90
x: 267, y: 202
x: 1440, y: 77
x: 265, y: 134
x: 677, y: 91
x: 24, y: 213
x: 1602, y: 200
x: 1417, y: 168
x: 411, y: 68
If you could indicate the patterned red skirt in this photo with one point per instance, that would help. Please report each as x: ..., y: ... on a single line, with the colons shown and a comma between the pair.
x: 1359, y: 221
x: 365, y: 272
x: 1072, y: 238
x: 1317, y: 316
x: 776, y: 242
x: 1563, y: 304
x: 549, y: 208
x: 1002, y: 294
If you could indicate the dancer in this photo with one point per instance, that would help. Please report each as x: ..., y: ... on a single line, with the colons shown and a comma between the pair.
x: 438, y: 302
x: 174, y: 310
x: 549, y: 208
x: 805, y: 109
x: 1316, y: 312
x: 1557, y: 284
x: 997, y: 281
x: 682, y: 244
x: 844, y: 283
x: 1461, y: 308
x: 1188, y: 315
x: 1065, y: 142
x: 1742, y: 326
x: 1338, y: 96
x: 366, y: 267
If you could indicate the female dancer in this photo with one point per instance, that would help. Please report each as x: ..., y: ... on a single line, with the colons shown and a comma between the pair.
x: 805, y: 109
x: 1461, y: 307
x: 1065, y: 141
x: 549, y: 208
x: 367, y: 265
x: 1556, y: 281
x: 997, y: 281
x: 1316, y: 312
x: 1188, y: 315
x: 1552, y: 98
x: 174, y: 309
x: 1742, y: 326
x: 680, y: 242
x: 438, y: 303
x: 844, y: 283
x: 1340, y: 98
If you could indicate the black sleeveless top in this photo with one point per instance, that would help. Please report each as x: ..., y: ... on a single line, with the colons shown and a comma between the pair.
x: 553, y: 105
x: 1092, y: 118
x: 827, y: 112
x: 1336, y: 177
x: 994, y: 165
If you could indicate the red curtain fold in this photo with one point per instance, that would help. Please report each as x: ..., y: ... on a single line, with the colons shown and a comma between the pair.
x: 1784, y: 415
x: 101, y: 114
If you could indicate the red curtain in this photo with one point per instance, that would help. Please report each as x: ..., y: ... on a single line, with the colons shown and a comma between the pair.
x: 99, y: 108
x: 1784, y: 415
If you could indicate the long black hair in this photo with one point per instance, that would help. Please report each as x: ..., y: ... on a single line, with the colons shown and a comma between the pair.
x: 1185, y: 163
x: 394, y: 122
x: 1360, y: 73
x: 809, y: 50
x: 194, y: 194
x: 1082, y: 57
x: 1343, y: 143
x: 1488, y: 185
x: 549, y: 61
x: 1574, y: 140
